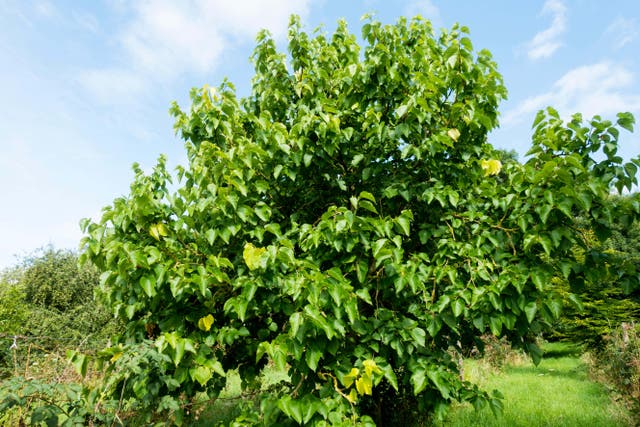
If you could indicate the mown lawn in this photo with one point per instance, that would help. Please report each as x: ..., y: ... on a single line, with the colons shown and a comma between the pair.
x: 557, y: 392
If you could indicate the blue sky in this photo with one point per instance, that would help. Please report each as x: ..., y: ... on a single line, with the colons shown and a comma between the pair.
x: 85, y: 87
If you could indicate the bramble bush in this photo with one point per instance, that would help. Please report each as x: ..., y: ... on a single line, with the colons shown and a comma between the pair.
x: 47, y: 308
x: 349, y: 222
x: 47, y: 301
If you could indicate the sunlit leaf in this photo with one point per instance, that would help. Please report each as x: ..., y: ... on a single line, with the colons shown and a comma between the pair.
x: 205, y: 323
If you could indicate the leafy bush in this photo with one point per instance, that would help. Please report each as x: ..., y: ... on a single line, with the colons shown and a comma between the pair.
x: 349, y: 222
x: 28, y: 401
x: 619, y: 361
x: 47, y: 302
x: 607, y: 300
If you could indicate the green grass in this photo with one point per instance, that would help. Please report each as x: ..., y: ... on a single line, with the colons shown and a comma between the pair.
x: 557, y: 392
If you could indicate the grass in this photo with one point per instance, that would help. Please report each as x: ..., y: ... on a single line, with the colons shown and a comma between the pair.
x: 557, y: 392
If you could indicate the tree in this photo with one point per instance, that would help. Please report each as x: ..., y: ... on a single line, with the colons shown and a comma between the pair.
x: 348, y: 221
x: 47, y: 300
x: 610, y: 300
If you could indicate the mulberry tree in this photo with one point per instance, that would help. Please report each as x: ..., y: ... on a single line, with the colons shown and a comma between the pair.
x: 349, y: 223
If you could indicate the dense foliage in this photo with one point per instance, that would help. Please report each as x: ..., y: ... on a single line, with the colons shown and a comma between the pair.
x: 609, y: 301
x: 47, y: 302
x: 47, y: 308
x: 620, y: 359
x: 349, y: 222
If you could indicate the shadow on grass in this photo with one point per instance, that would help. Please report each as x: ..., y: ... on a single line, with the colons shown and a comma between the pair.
x: 561, y: 349
x: 578, y: 373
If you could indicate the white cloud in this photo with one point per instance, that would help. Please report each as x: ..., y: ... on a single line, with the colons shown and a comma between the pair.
x: 164, y: 39
x: 46, y: 9
x: 623, y: 31
x: 545, y: 43
x: 112, y: 85
x: 601, y: 88
x: 86, y: 21
x: 425, y: 8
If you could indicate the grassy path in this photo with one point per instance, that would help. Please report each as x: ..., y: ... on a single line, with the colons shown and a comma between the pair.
x: 557, y: 392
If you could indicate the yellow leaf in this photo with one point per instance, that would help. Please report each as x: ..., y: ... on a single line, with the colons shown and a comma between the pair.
x: 491, y: 167
x: 115, y: 356
x: 158, y: 230
x: 162, y: 230
x: 364, y: 385
x: 350, y: 377
x: 352, y: 396
x: 370, y: 367
x: 454, y: 134
x: 252, y: 255
x: 205, y: 322
x: 153, y: 230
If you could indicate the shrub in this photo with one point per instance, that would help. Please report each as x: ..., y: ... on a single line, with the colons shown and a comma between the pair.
x: 607, y: 301
x: 619, y: 360
x: 349, y: 222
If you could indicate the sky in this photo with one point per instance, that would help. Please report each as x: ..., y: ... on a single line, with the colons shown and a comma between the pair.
x: 85, y: 86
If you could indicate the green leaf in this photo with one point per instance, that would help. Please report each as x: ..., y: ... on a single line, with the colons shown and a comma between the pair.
x: 419, y: 336
x: 312, y: 356
x: 543, y: 211
x: 296, y: 319
x: 577, y: 302
x: 404, y: 224
x: 539, y: 279
x: 79, y: 361
x: 356, y: 160
x: 401, y: 110
x: 179, y: 349
x: 362, y: 269
x: 626, y: 121
x: 555, y: 307
x: 535, y: 352
x: 441, y: 383
x: 216, y: 367
x: 457, y: 306
x: 363, y: 294
x: 495, y: 324
x: 419, y: 380
x: 147, y: 283
x: 478, y: 322
x: 530, y: 310
x: 201, y: 374
x: 292, y: 408
x: 367, y: 196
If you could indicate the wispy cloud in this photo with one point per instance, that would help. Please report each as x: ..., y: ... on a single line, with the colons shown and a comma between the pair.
x: 425, y: 8
x: 86, y: 21
x: 165, y: 39
x: 600, y: 88
x: 45, y: 8
x: 623, y: 31
x: 546, y: 42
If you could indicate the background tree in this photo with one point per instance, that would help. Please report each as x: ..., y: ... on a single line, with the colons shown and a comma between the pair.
x: 348, y: 222
x: 47, y: 300
x: 610, y: 300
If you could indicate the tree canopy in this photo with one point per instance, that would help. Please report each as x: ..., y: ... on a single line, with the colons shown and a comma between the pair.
x: 349, y: 222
